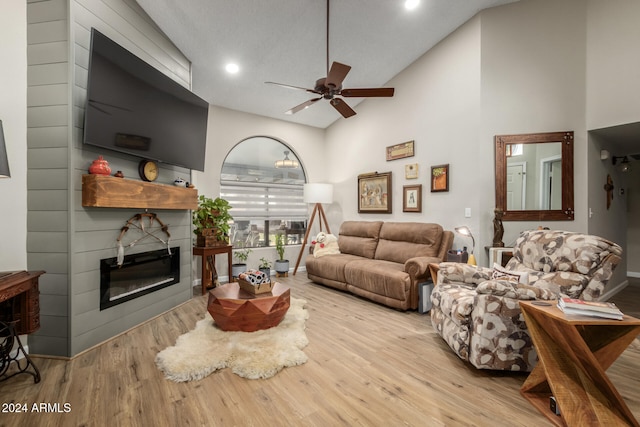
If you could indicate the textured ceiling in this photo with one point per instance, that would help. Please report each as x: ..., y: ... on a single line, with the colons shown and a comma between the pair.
x: 285, y: 41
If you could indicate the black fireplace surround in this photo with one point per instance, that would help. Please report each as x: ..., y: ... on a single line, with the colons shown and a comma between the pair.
x: 139, y: 274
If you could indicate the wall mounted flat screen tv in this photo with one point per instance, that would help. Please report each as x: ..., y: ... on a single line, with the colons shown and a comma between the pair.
x: 134, y: 108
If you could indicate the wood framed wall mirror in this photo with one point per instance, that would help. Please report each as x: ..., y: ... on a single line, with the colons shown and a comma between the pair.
x: 534, y: 176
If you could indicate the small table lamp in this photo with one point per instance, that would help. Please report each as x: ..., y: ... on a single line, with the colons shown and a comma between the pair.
x: 4, y: 161
x: 315, y: 193
x: 464, y: 230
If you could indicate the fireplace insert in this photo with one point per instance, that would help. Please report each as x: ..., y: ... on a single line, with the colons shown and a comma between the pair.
x: 139, y: 274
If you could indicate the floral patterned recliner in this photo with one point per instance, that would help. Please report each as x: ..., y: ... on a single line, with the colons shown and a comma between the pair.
x: 480, y: 318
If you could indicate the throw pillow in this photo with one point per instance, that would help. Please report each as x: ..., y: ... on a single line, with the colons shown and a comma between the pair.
x: 500, y: 272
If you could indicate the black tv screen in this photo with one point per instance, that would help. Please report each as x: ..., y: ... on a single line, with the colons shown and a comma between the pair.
x: 134, y: 108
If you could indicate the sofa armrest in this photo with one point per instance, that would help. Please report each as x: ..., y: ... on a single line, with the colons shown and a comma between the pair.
x: 509, y: 289
x: 456, y: 272
x: 418, y: 267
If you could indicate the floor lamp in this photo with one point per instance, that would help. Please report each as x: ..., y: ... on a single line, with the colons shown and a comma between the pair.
x: 318, y: 194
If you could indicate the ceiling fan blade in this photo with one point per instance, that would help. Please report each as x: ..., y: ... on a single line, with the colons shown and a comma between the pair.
x: 291, y: 87
x: 336, y: 75
x: 379, y: 92
x: 302, y: 106
x: 342, y: 107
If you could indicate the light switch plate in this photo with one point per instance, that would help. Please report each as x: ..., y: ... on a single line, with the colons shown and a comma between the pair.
x: 467, y: 212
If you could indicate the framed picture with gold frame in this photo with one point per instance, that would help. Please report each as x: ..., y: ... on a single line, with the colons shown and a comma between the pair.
x: 439, y: 178
x: 401, y: 151
x: 374, y: 193
x: 412, y: 198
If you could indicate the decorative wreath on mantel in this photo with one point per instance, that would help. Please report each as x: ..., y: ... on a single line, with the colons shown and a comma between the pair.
x: 151, y: 230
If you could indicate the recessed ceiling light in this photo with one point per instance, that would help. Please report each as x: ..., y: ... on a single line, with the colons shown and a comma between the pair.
x: 411, y: 4
x: 232, y: 68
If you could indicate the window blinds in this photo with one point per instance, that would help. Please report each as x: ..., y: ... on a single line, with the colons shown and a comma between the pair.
x: 251, y: 201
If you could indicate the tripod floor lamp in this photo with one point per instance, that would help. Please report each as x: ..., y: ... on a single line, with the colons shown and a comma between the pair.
x: 318, y: 194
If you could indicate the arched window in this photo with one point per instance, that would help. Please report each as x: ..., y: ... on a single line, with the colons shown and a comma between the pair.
x: 262, y: 179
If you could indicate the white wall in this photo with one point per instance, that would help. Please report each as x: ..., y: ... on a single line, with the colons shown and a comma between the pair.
x: 497, y: 74
x: 533, y: 77
x: 612, y: 88
x: 633, y: 222
x: 13, y: 113
x: 613, y: 80
x: 436, y: 104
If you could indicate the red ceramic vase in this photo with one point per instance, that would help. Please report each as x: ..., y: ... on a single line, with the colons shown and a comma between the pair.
x: 100, y: 167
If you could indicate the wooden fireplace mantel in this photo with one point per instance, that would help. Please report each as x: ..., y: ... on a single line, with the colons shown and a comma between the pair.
x: 103, y: 191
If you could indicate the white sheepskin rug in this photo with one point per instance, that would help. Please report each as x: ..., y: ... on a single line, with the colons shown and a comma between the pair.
x: 253, y: 355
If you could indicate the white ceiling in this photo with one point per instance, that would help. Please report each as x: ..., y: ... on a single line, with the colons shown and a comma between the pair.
x: 285, y: 41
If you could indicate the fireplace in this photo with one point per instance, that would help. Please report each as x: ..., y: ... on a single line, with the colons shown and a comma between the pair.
x: 139, y: 274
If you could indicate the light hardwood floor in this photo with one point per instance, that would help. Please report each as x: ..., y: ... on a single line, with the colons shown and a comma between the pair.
x: 368, y: 365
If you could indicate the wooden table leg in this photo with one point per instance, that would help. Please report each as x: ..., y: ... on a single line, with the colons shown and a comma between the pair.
x: 573, y: 360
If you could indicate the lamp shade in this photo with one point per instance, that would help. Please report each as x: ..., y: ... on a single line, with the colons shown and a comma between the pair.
x: 464, y: 230
x: 318, y: 193
x: 4, y: 161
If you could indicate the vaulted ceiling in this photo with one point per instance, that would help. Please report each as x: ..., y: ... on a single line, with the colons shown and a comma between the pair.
x: 285, y: 41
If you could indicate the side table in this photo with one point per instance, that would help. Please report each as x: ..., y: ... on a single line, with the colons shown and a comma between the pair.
x: 208, y: 263
x: 574, y: 353
x: 234, y: 309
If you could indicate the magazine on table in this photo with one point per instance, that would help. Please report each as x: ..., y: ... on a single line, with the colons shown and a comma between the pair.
x: 605, y: 310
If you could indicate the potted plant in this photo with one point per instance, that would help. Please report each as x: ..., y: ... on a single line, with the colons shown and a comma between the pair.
x: 265, y: 267
x: 281, y: 265
x: 211, y: 221
x: 241, y: 254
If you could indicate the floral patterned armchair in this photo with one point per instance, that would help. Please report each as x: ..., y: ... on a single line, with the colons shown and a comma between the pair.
x: 477, y: 313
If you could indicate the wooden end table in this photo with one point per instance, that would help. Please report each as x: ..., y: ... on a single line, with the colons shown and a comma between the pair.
x: 234, y: 309
x: 574, y: 353
x: 208, y: 255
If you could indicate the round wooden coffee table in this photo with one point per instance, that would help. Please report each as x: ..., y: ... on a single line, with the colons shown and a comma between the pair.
x: 234, y: 309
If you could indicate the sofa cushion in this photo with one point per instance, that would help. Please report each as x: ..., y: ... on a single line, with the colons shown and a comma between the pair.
x: 400, y: 241
x: 379, y: 277
x: 562, y: 282
x: 549, y: 250
x: 359, y: 238
x: 330, y: 267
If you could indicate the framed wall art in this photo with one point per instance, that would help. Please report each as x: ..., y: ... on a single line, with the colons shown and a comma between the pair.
x: 411, y: 171
x: 412, y: 198
x: 400, y: 151
x: 439, y: 178
x: 374, y: 193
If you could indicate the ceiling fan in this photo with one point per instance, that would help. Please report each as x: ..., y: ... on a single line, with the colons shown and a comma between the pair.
x: 330, y: 87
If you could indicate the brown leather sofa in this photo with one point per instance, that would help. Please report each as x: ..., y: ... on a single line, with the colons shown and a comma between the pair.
x: 382, y: 261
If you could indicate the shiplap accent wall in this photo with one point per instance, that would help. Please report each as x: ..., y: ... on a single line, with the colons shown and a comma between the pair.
x: 64, y: 238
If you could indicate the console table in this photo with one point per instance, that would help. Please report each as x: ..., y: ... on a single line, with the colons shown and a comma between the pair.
x: 574, y: 353
x: 20, y: 299
x: 208, y: 255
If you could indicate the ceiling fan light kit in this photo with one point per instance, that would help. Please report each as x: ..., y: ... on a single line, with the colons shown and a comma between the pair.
x: 330, y: 87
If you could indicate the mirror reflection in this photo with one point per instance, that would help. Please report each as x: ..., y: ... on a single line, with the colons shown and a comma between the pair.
x: 534, y: 176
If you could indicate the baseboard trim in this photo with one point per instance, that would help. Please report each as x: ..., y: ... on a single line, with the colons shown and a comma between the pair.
x: 633, y: 274
x: 613, y: 291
